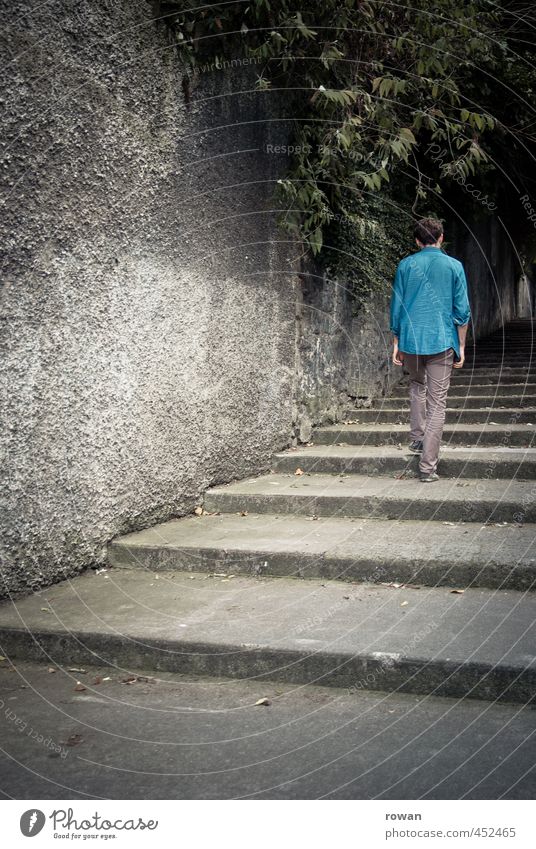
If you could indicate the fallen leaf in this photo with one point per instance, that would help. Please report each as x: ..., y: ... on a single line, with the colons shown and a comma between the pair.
x: 198, y: 511
x: 298, y: 472
x: 46, y: 610
x: 74, y: 740
x: 2, y: 657
x: 458, y: 592
x: 79, y: 687
x: 51, y: 669
x: 263, y: 702
x: 243, y: 512
x: 98, y: 680
x: 129, y: 680
x: 404, y: 603
x: 76, y: 669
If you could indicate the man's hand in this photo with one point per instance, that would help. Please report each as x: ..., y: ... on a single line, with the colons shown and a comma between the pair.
x: 459, y: 363
x: 398, y: 357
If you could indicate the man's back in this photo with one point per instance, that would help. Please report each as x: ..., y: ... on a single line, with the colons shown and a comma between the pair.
x: 429, y: 301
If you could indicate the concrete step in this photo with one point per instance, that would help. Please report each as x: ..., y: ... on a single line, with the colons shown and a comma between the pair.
x: 500, y: 363
x: 454, y: 462
x: 495, y: 378
x: 390, y: 413
x: 479, y: 644
x: 471, y: 401
x: 365, y: 550
x: 498, y: 370
x: 498, y: 346
x: 518, y: 393
x: 360, y: 496
x: 525, y: 353
x: 201, y: 737
x: 511, y: 435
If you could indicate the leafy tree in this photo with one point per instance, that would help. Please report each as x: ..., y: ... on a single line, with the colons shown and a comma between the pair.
x: 380, y: 87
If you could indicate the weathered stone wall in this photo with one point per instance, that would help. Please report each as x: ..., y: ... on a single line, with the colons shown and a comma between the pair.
x: 344, y: 359
x: 148, y: 312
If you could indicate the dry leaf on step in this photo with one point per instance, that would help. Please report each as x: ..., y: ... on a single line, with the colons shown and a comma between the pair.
x: 79, y: 687
x: 298, y: 472
x: 458, y: 592
x: 263, y: 702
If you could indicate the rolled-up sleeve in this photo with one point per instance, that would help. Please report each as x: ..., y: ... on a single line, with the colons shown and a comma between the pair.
x: 461, y: 311
x: 397, y: 298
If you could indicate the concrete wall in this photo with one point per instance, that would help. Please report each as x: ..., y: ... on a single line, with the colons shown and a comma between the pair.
x: 148, y: 312
x: 498, y: 290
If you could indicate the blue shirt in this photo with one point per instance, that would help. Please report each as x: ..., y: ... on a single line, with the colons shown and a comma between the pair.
x: 429, y: 300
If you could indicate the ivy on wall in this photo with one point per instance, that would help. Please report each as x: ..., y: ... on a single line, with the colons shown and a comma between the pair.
x: 363, y: 247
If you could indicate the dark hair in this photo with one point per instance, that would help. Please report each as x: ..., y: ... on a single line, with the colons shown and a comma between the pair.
x: 428, y: 230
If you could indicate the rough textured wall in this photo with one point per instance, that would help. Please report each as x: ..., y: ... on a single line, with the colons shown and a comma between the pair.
x: 148, y: 316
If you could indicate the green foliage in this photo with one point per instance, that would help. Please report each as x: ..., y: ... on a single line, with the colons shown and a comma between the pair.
x: 379, y: 83
x: 364, y: 245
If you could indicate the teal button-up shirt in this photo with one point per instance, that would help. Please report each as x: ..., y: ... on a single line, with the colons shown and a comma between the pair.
x: 429, y: 300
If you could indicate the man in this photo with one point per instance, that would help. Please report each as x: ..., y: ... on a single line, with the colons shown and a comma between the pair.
x: 429, y: 318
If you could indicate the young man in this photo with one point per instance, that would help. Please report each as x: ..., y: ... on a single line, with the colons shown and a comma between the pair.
x: 429, y: 317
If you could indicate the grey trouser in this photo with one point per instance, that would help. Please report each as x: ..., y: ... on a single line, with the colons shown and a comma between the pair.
x: 429, y: 376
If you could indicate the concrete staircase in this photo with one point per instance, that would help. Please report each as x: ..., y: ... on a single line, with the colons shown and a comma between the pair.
x: 340, y: 567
